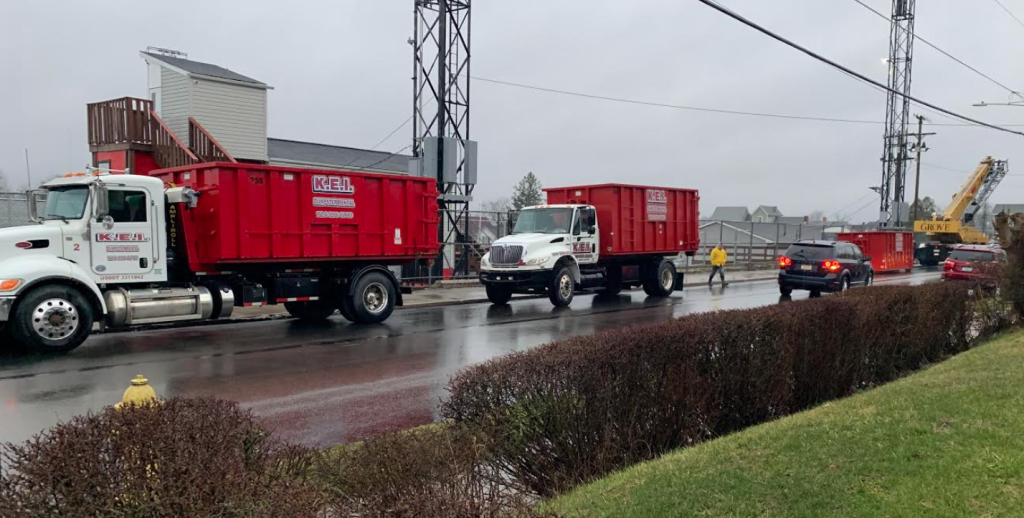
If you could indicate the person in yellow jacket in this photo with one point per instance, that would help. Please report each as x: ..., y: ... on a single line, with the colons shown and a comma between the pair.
x: 718, y: 260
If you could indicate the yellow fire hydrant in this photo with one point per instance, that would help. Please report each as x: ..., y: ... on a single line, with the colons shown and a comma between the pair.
x: 138, y: 393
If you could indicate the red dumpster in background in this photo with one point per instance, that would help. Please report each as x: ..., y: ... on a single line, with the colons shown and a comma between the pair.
x: 638, y: 220
x: 890, y: 251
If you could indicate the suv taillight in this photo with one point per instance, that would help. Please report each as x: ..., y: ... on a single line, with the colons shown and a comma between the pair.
x: 831, y: 265
x: 785, y: 262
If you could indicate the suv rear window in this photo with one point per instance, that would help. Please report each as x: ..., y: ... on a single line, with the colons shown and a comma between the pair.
x: 972, y: 255
x: 810, y: 252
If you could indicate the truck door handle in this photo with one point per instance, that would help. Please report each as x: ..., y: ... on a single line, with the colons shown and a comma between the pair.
x: 143, y: 262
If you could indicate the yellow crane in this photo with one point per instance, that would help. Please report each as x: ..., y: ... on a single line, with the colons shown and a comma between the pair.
x: 955, y: 224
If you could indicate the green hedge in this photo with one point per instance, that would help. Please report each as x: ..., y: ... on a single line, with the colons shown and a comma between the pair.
x: 574, y: 410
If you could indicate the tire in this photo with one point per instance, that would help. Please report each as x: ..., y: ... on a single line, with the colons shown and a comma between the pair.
x: 498, y: 294
x: 870, y: 279
x: 52, y: 319
x: 844, y: 283
x: 345, y: 308
x: 613, y: 281
x: 561, y: 287
x: 815, y: 294
x: 785, y: 291
x: 373, y: 299
x: 661, y: 280
x: 311, y: 310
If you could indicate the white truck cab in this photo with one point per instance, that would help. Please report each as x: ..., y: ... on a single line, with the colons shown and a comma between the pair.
x: 557, y: 249
x: 95, y: 254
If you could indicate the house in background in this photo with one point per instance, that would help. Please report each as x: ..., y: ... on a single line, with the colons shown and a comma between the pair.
x: 213, y: 113
x: 730, y: 214
x: 766, y: 214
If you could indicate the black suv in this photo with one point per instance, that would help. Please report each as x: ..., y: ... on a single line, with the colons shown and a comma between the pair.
x: 823, y: 266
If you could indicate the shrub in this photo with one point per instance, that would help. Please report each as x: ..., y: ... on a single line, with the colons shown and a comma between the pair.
x: 433, y: 472
x: 182, y: 457
x: 567, y: 412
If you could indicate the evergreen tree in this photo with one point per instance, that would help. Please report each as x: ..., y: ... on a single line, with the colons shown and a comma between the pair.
x: 527, y: 192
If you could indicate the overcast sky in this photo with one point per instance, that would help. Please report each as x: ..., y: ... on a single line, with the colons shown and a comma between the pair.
x: 341, y: 71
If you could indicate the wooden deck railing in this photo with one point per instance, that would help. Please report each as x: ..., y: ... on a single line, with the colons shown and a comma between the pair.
x: 204, y: 145
x: 120, y: 121
x: 168, y: 150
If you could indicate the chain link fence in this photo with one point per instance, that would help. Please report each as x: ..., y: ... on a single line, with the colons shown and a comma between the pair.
x: 757, y: 245
x: 475, y: 235
x: 14, y: 209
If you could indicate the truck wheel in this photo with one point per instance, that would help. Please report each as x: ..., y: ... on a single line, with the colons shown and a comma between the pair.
x: 311, y: 310
x: 785, y: 291
x: 561, y: 287
x: 660, y: 281
x: 345, y: 308
x: 498, y: 294
x: 613, y: 282
x: 52, y: 319
x: 373, y: 300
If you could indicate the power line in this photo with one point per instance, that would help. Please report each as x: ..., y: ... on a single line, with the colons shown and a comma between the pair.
x: 960, y: 171
x: 1000, y: 4
x: 943, y: 52
x: 385, y: 139
x: 712, y: 110
x: 741, y: 19
x: 385, y: 159
x: 674, y: 106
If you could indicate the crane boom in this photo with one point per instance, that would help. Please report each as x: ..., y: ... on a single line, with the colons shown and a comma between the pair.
x: 949, y: 227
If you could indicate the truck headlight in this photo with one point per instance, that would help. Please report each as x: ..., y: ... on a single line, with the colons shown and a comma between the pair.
x: 536, y: 261
x: 9, y: 284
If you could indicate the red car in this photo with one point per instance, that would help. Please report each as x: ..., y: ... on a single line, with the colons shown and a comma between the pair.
x: 973, y: 263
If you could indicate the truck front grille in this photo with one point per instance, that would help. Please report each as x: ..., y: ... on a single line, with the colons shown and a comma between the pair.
x: 506, y: 255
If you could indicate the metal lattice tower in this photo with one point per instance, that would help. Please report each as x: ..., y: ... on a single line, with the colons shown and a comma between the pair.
x: 897, y: 114
x: 441, y: 41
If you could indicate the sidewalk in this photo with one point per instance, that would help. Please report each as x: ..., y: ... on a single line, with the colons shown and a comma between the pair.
x: 453, y: 293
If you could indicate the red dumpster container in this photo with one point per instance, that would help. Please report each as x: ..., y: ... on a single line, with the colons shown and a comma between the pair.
x: 257, y: 214
x: 637, y: 220
x: 890, y: 251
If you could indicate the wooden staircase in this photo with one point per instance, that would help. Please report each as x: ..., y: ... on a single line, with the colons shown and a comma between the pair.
x: 131, y: 124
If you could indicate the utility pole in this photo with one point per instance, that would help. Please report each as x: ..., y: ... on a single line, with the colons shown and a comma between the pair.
x: 919, y: 146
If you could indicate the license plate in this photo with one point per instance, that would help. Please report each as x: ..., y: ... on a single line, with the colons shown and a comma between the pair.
x: 967, y: 269
x: 806, y: 267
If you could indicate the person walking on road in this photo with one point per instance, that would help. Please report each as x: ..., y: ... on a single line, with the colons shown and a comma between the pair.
x: 718, y: 260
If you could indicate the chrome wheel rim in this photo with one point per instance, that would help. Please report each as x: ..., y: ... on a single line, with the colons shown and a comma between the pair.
x: 666, y: 279
x: 375, y: 298
x: 55, y: 319
x: 565, y: 286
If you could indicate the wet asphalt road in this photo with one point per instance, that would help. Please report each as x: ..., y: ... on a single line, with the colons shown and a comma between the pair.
x: 331, y: 382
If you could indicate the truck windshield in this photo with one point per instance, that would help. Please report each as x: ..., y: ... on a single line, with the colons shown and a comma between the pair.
x: 66, y: 202
x: 543, y: 221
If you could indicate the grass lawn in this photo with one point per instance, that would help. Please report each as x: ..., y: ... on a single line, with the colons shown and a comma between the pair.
x: 948, y: 441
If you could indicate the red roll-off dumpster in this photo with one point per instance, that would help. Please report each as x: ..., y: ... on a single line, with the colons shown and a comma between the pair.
x: 889, y: 250
x: 256, y: 214
x: 635, y: 219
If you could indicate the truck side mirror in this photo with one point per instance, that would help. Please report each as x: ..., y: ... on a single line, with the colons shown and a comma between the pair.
x: 100, y: 201
x: 591, y: 231
x: 33, y: 208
